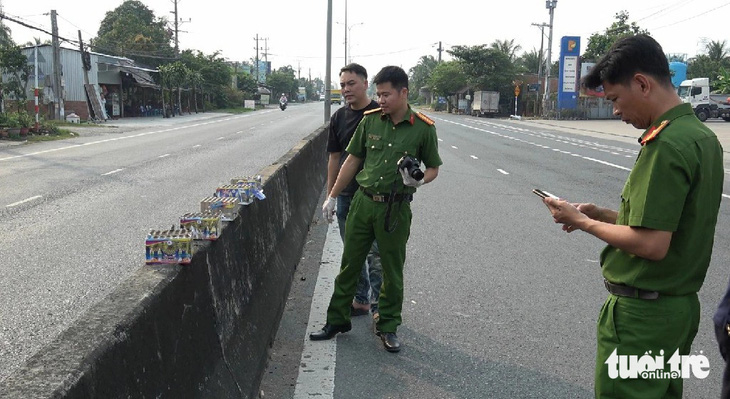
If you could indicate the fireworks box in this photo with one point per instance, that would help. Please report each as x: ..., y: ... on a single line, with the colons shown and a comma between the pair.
x: 244, y: 194
x: 202, y: 225
x: 168, y: 247
x: 253, y: 184
x: 228, y: 207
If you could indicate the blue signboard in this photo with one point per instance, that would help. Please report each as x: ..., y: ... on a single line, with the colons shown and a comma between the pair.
x: 569, y: 79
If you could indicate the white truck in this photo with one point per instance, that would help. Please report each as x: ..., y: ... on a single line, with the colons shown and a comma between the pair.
x: 696, y: 92
x: 485, y: 103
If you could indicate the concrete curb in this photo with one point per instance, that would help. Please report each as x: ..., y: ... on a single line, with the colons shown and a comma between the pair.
x: 203, y: 330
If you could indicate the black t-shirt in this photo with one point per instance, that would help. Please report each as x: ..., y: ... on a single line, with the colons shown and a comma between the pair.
x: 342, y: 126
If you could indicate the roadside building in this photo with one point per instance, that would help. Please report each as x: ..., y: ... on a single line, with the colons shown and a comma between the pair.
x: 117, y: 86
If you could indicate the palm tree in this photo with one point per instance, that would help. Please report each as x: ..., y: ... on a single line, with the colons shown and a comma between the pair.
x: 717, y: 50
x: 508, y: 47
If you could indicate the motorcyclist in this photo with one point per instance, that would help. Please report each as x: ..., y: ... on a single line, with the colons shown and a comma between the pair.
x: 283, y: 99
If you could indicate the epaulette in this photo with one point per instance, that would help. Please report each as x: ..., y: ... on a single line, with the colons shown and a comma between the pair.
x: 653, y: 132
x: 371, y: 111
x: 426, y: 119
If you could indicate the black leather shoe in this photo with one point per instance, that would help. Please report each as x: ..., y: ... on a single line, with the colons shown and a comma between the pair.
x: 390, y: 341
x: 329, y: 331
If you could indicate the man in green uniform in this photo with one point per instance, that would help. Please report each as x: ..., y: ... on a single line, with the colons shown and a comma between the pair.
x: 660, y: 240
x: 380, y: 210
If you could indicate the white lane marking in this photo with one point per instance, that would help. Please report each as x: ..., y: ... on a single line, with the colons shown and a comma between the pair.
x: 473, y: 156
x: 164, y: 155
x: 546, y: 147
x: 112, y: 172
x: 317, y: 364
x: 502, y: 171
x: 126, y: 137
x: 23, y: 201
x: 220, y: 138
x: 441, y: 140
x: 454, y: 147
x: 726, y: 196
x: 196, y: 146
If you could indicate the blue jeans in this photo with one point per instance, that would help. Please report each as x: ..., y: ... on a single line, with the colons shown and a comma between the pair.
x: 371, y: 277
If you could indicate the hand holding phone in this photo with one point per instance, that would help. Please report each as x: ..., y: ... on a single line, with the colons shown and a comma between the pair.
x: 543, y: 194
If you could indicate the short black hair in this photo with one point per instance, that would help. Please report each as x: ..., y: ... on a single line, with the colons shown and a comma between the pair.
x: 357, y: 69
x: 627, y: 57
x: 393, y: 74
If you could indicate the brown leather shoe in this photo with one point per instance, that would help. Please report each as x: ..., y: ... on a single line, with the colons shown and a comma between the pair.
x: 390, y: 341
x: 329, y: 331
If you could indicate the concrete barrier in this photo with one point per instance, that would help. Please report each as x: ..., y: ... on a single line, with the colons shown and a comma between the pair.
x: 197, y: 331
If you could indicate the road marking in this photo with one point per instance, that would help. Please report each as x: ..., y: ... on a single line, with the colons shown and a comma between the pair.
x: 318, y: 361
x: 454, y: 147
x: 112, y: 172
x: 473, y: 156
x: 32, y: 154
x: 441, y: 140
x: 220, y: 138
x: 726, y: 196
x: 502, y: 171
x: 23, y: 201
x: 196, y: 146
x: 164, y: 155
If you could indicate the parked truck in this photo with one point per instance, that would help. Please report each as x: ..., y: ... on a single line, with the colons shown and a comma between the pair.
x: 696, y: 92
x: 485, y: 103
x: 336, y: 96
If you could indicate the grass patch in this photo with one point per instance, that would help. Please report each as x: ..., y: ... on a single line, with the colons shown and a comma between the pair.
x: 236, y: 110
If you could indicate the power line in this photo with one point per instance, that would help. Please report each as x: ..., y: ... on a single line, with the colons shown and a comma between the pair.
x: 693, y: 17
x: 680, y: 2
x: 3, y: 16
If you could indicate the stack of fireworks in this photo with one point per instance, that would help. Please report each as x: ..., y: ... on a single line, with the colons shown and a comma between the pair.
x: 253, y: 184
x: 241, y: 193
x: 202, y: 225
x: 228, y: 207
x: 168, y: 247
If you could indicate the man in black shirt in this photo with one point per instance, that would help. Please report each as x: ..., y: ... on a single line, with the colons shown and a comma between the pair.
x: 354, y: 84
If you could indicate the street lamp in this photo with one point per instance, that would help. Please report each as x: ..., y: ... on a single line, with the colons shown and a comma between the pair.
x: 349, y: 29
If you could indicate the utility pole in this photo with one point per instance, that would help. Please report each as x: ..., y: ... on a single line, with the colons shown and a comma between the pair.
x: 328, y: 63
x: 549, y: 4
x: 177, y: 40
x: 539, y: 65
x: 345, y: 32
x: 257, y: 57
x: 57, y: 69
x: 440, y: 49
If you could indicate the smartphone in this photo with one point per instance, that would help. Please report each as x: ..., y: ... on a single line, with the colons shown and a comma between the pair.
x: 543, y: 194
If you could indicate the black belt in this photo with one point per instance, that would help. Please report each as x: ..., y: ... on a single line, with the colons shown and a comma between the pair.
x: 386, y: 197
x: 631, y: 292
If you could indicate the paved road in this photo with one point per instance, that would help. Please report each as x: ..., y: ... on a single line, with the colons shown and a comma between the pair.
x: 499, y: 302
x: 74, y: 213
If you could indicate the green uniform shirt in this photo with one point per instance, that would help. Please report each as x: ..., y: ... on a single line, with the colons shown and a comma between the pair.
x: 381, y: 143
x: 675, y: 185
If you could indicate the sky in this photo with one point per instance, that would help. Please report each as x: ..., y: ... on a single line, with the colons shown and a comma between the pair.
x: 382, y: 32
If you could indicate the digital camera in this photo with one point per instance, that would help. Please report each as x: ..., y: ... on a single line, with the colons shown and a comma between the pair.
x: 412, y: 167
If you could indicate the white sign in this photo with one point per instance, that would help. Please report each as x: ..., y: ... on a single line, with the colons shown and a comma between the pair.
x: 653, y: 367
x: 570, y: 74
x: 249, y: 104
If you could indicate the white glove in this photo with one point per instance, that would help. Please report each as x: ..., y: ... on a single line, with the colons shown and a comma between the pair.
x: 328, y: 209
x: 408, y: 180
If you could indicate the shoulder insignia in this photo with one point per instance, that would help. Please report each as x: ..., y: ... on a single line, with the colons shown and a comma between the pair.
x: 426, y: 119
x: 653, y: 132
x: 371, y: 111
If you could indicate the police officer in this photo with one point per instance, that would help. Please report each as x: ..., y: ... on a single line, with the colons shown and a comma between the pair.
x: 381, y: 208
x: 660, y: 240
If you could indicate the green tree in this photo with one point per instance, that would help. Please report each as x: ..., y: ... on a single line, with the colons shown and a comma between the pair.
x: 419, y: 74
x: 529, y: 62
x: 486, y: 68
x: 447, y: 78
x: 508, y: 47
x: 282, y: 80
x: 599, y: 43
x: 15, y: 65
x: 717, y: 51
x: 723, y: 81
x: 711, y: 64
x: 132, y: 30
x: 247, y: 84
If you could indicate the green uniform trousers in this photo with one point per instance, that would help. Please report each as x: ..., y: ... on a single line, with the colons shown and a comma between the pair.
x: 634, y: 326
x: 365, y: 223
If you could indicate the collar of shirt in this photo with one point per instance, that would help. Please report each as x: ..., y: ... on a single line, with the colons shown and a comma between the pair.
x: 409, y: 117
x: 663, y: 120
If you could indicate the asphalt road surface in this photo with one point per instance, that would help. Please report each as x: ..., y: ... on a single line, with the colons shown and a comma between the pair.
x: 499, y: 302
x: 74, y: 213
